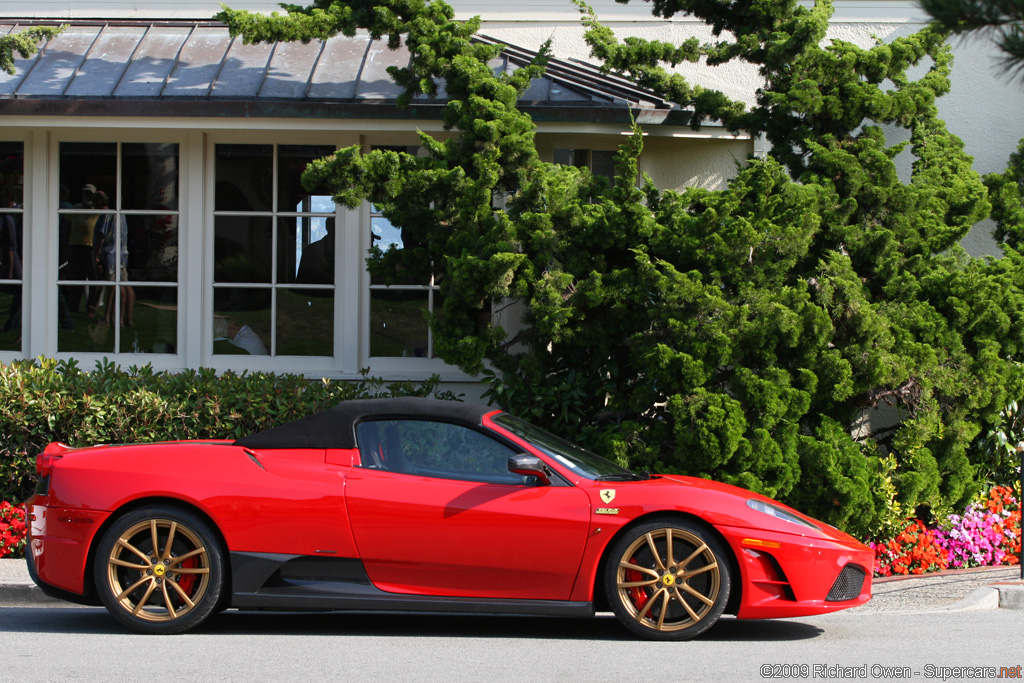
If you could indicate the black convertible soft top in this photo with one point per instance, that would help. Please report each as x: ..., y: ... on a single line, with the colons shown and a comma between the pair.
x: 336, y: 427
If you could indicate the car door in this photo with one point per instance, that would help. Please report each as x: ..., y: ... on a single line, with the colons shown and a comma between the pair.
x: 434, y: 510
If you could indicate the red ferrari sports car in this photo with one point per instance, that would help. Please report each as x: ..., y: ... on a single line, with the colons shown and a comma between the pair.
x: 421, y: 505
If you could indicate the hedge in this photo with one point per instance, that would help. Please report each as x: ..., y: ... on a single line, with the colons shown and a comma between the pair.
x: 48, y: 400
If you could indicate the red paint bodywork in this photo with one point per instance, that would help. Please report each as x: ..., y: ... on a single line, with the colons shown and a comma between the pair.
x: 421, y: 536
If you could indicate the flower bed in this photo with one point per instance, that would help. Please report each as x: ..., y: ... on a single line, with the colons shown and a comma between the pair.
x: 12, y: 530
x: 986, y: 534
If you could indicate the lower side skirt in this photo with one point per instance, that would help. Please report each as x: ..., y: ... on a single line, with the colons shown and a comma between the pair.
x: 298, y: 582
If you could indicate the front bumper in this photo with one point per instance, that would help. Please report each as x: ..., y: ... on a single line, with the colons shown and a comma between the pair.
x: 789, y: 575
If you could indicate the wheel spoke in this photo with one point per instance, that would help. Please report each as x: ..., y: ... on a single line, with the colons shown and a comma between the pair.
x: 153, y: 531
x: 698, y: 551
x: 637, y: 584
x: 125, y: 563
x: 664, y: 609
x: 668, y: 545
x: 182, y: 593
x: 132, y: 587
x: 181, y: 558
x: 650, y: 602
x: 170, y: 539
x: 142, y: 603
x: 689, y: 610
x: 167, y: 600
x: 638, y: 568
x: 192, y: 570
x: 703, y: 598
x: 128, y: 546
x: 706, y: 568
x: 654, y: 550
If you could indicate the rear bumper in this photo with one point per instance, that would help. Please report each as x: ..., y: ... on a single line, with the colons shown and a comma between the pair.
x: 787, y: 575
x: 58, y: 550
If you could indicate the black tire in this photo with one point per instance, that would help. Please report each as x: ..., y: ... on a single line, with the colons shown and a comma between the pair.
x: 159, y: 570
x: 668, y: 579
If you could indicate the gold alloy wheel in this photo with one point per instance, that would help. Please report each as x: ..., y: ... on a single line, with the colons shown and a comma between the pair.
x: 668, y: 579
x: 158, y: 570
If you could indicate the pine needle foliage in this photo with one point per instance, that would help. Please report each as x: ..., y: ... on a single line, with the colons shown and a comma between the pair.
x: 740, y: 333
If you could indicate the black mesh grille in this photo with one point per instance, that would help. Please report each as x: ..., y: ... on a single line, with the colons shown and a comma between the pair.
x: 848, y: 584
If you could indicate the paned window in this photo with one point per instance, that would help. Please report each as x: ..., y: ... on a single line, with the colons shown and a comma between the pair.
x: 274, y: 253
x: 12, y: 168
x: 117, y: 263
x: 398, y: 322
x: 600, y: 162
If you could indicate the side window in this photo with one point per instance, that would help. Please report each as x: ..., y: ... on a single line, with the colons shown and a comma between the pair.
x: 434, y: 449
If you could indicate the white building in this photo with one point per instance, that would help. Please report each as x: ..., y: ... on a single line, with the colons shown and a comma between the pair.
x: 217, y: 257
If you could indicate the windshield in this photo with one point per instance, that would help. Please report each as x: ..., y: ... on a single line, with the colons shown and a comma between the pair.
x: 580, y: 461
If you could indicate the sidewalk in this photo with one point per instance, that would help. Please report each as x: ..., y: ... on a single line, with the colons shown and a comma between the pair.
x: 957, y: 590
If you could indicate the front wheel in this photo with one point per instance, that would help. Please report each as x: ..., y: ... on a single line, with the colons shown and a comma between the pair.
x: 159, y: 570
x: 668, y: 579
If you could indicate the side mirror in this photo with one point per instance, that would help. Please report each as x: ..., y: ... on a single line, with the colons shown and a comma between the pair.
x: 528, y: 465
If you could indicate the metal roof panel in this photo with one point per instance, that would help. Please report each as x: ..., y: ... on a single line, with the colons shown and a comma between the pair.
x: 59, y: 61
x: 9, y: 82
x: 291, y: 69
x: 199, y: 62
x: 127, y: 67
x: 374, y: 81
x: 337, y: 71
x: 244, y: 70
x: 153, y: 62
x: 106, y: 62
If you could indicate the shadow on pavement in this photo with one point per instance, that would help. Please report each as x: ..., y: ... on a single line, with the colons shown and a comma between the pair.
x: 356, y: 624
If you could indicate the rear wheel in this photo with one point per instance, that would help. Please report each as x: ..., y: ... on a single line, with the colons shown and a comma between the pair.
x: 668, y: 579
x: 159, y: 570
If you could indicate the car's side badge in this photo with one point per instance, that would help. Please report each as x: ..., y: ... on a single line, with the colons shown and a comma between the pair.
x: 606, y: 511
x: 607, y: 495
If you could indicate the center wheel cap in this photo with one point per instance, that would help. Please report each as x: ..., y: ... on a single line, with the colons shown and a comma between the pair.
x: 159, y: 569
x: 668, y: 580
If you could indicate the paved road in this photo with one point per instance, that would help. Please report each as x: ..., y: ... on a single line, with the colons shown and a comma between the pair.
x: 83, y: 644
x: 927, y: 628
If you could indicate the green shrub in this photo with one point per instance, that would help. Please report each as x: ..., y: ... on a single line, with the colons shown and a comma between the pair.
x: 48, y: 400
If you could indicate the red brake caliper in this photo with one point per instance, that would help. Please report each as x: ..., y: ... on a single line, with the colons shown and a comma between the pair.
x: 187, y: 581
x: 636, y: 593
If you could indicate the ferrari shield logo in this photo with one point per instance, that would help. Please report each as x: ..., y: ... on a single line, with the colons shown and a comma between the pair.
x: 607, y: 495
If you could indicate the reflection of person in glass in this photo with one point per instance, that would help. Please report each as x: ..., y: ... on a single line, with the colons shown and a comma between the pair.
x: 10, y: 257
x: 316, y: 266
x: 81, y: 256
x: 112, y: 247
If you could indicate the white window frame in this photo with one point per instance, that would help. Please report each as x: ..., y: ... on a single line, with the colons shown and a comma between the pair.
x: 45, y: 247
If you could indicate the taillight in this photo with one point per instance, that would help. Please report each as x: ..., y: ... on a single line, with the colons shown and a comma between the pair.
x: 50, y: 455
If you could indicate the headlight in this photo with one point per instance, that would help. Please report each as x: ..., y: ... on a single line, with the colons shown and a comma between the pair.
x: 778, y: 512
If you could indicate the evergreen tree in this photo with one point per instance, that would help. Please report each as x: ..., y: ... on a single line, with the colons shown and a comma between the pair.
x: 24, y: 43
x: 739, y: 333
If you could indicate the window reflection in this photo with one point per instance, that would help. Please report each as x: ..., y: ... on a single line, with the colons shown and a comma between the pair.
x: 150, y: 176
x: 242, y: 248
x: 400, y: 298
x: 12, y: 166
x: 267, y: 239
x: 245, y: 178
x: 241, y: 320
x: 118, y: 254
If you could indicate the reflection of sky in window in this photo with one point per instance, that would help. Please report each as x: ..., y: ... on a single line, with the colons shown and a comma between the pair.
x: 317, y: 225
x: 385, y: 233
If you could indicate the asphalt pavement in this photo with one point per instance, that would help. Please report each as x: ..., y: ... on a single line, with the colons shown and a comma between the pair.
x: 956, y: 590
